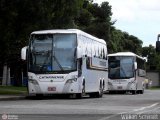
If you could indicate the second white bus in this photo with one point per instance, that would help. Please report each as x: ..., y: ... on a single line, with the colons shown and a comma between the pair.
x: 126, y: 73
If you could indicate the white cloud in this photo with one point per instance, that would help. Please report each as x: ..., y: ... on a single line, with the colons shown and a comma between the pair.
x: 137, y: 17
x: 130, y: 10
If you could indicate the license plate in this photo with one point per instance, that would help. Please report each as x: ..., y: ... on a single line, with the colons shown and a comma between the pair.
x: 51, y: 88
x: 119, y: 87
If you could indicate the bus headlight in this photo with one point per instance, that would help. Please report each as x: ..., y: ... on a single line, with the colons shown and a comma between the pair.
x: 33, y: 81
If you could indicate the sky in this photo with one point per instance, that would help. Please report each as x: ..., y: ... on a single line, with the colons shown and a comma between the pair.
x: 140, y: 18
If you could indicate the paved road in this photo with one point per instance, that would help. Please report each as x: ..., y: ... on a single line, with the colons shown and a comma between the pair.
x: 114, y: 107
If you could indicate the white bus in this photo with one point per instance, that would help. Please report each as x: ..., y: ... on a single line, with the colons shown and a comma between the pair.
x: 67, y: 61
x: 126, y: 73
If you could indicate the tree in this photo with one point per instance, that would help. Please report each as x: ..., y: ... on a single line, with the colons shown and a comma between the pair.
x: 64, y: 13
x: 122, y: 41
x: 153, y: 62
x: 95, y: 19
x: 18, y: 18
x: 116, y: 42
x: 133, y: 44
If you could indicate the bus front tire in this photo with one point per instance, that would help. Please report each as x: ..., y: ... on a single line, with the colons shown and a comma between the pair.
x: 80, y: 95
x: 134, y: 92
x: 39, y: 96
x: 141, y: 91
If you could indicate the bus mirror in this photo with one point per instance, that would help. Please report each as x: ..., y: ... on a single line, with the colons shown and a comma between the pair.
x: 24, y: 53
x: 78, y: 53
x: 135, y: 65
x: 141, y: 73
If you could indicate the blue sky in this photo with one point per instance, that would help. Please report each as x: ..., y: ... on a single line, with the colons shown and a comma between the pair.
x: 140, y: 18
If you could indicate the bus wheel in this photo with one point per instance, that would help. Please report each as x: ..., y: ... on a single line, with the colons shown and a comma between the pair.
x: 92, y: 95
x: 100, y: 93
x: 141, y: 91
x: 80, y: 95
x: 134, y: 92
x: 39, y: 96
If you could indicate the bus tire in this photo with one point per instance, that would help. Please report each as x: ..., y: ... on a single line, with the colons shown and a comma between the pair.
x: 80, y: 95
x: 99, y: 94
x: 141, y: 91
x: 92, y: 95
x: 39, y: 96
x: 134, y: 92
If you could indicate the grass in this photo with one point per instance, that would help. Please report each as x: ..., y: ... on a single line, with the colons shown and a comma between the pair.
x: 12, y: 90
x: 155, y: 88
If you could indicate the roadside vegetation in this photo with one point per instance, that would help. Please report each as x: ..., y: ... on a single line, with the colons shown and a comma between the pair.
x: 20, y: 17
x: 12, y: 90
x: 155, y: 88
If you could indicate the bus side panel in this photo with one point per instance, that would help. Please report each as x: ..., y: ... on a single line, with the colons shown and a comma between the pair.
x: 93, y: 78
x: 140, y: 82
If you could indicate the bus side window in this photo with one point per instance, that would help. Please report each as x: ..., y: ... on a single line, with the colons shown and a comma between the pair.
x: 87, y: 62
x: 79, y: 67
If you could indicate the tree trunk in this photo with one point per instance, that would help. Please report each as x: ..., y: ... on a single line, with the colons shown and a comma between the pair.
x: 8, y: 77
x: 4, y: 79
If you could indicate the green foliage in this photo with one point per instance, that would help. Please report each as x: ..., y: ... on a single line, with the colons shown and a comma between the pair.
x: 12, y: 90
x: 122, y: 41
x: 84, y: 18
x: 18, y: 18
x: 153, y: 62
x: 65, y: 12
x: 95, y: 19
x: 116, y: 42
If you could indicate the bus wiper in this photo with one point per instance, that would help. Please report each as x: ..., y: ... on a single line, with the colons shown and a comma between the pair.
x: 42, y: 52
x: 59, y: 65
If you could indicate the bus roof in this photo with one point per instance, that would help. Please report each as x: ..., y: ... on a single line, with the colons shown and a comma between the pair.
x: 68, y: 31
x: 125, y: 54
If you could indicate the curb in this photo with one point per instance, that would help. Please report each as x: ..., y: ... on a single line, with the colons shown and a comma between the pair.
x: 12, y: 97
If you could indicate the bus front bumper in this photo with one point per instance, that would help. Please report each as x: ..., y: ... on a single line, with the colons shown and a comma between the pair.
x: 121, y: 86
x: 53, y: 88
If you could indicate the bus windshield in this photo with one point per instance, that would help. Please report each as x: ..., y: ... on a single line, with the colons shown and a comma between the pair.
x: 121, y: 67
x: 52, y: 53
